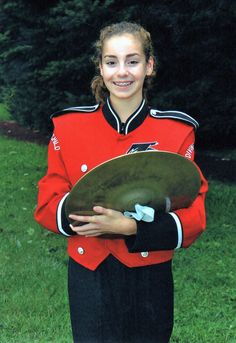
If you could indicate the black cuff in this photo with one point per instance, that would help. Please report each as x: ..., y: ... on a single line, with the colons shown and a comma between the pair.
x: 161, y: 234
x: 63, y: 223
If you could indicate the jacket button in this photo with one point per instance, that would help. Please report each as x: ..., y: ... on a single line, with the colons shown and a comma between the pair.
x: 144, y: 254
x: 84, y: 168
x: 81, y: 250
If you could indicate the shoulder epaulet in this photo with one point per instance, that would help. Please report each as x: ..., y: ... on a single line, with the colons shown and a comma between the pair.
x: 174, y: 115
x: 85, y: 109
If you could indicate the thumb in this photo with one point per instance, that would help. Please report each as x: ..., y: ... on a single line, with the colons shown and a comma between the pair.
x: 100, y: 210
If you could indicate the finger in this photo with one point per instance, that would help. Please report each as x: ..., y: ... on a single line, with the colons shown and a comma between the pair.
x: 94, y: 234
x: 103, y: 210
x: 84, y: 228
x: 90, y: 233
x: 83, y: 219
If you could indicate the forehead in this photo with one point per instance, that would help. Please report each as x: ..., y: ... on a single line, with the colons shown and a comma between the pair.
x: 124, y: 44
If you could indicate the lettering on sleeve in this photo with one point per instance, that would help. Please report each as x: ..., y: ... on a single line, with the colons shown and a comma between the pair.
x: 189, y: 151
x: 55, y: 142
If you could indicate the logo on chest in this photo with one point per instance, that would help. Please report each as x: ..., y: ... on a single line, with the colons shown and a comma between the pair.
x: 141, y: 147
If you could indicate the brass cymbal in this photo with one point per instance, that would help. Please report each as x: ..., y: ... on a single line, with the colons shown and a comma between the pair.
x: 159, y: 179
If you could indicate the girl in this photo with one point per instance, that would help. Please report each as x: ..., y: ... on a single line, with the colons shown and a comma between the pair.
x: 121, y: 287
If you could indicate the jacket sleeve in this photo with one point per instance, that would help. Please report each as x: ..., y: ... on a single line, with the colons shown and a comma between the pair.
x: 53, y: 189
x: 192, y: 220
x: 175, y: 229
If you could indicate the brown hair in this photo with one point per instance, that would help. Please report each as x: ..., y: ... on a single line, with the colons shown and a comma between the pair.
x: 98, y: 86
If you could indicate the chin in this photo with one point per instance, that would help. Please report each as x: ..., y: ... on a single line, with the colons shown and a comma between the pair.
x: 124, y: 95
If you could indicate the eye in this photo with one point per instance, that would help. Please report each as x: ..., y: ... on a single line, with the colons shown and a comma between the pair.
x: 110, y: 63
x: 133, y: 62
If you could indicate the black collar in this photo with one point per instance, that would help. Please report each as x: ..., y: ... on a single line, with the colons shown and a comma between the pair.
x: 134, y: 120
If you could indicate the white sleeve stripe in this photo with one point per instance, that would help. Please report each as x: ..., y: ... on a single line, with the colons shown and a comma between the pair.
x: 179, y: 229
x: 59, y: 223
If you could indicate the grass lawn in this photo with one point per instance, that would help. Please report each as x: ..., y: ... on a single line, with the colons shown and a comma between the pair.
x: 34, y: 305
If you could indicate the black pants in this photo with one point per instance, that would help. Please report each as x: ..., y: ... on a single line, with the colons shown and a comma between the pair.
x: 117, y: 304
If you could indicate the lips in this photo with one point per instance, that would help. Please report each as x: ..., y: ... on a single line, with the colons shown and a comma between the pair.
x: 122, y: 83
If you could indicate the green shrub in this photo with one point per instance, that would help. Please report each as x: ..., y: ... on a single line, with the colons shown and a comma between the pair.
x: 46, y: 49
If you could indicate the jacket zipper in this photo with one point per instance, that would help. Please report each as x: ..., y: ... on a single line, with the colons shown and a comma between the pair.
x: 122, y: 128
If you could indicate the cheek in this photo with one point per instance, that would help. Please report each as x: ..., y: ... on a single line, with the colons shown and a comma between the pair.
x: 106, y: 73
x: 141, y: 74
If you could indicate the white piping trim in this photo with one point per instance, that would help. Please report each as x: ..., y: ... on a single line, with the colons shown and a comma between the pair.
x: 83, y: 108
x: 59, y: 224
x: 172, y: 111
x: 191, y: 119
x: 127, y: 125
x: 114, y: 115
x: 179, y: 229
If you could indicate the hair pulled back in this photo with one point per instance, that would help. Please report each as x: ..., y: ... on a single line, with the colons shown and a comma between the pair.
x: 98, y: 86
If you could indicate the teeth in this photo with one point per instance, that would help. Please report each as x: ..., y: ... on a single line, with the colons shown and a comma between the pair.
x: 122, y: 83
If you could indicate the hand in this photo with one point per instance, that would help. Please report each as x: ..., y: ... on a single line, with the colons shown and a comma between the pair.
x: 106, y: 221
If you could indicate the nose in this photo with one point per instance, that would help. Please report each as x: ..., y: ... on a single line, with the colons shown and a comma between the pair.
x: 122, y: 71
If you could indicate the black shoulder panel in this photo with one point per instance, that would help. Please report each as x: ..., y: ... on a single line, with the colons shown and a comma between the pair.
x: 174, y: 115
x: 85, y: 109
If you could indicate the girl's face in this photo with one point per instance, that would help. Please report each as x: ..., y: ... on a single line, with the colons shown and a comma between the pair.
x: 124, y: 67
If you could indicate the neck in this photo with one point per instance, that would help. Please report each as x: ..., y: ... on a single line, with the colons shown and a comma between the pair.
x: 125, y: 107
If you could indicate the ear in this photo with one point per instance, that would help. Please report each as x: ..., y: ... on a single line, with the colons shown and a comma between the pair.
x: 150, y: 66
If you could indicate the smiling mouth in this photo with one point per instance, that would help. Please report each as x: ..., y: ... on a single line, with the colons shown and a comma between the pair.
x: 123, y: 84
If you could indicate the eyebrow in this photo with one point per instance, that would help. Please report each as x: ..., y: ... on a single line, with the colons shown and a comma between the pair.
x: 129, y: 55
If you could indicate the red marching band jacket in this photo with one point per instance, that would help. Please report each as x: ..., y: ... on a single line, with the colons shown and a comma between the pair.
x: 84, y: 137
